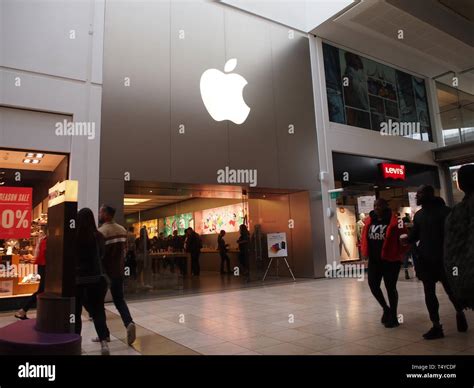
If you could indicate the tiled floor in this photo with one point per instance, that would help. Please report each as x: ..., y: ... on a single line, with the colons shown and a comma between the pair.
x: 330, y: 317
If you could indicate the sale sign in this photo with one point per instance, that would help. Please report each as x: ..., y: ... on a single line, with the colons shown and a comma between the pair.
x: 394, y: 171
x: 15, y: 212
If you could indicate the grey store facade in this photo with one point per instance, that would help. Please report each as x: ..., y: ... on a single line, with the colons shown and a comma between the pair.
x: 162, y: 151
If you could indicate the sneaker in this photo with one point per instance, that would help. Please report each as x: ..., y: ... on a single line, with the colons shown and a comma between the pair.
x: 434, y: 333
x: 97, y: 339
x: 131, y: 333
x: 104, y: 348
x: 461, y: 322
x: 21, y: 314
x: 407, y: 275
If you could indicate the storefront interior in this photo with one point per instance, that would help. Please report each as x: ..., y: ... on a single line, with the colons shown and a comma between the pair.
x: 362, y: 181
x: 21, y: 229
x: 208, y: 209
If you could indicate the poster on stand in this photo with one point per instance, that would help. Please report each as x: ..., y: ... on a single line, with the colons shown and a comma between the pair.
x: 277, y: 245
x: 365, y: 204
x: 347, y: 233
x: 412, y: 201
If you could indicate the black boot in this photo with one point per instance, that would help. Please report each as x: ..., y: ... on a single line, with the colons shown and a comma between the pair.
x: 434, y: 333
x: 392, y: 320
x: 385, y: 316
x: 461, y: 322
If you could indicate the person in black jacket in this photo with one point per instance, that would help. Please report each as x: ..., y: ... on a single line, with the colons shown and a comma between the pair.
x: 222, y: 246
x: 459, y: 242
x: 193, y: 246
x: 428, y: 231
x: 91, y: 283
x: 244, y: 249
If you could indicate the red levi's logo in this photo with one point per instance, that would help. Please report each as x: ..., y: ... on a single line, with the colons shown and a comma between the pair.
x: 394, y: 171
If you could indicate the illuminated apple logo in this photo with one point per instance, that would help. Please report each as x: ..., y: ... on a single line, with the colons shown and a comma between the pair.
x: 222, y: 94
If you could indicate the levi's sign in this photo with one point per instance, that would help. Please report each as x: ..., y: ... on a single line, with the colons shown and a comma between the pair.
x: 394, y: 171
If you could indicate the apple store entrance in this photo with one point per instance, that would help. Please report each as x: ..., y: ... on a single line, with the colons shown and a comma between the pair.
x: 161, y: 258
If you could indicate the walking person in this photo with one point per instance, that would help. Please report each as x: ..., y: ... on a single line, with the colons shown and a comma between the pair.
x: 114, y: 263
x: 244, y: 249
x: 223, y: 247
x: 380, y: 243
x: 91, y: 283
x: 40, y: 261
x: 408, y: 255
x: 193, y: 246
x: 428, y: 231
x: 459, y: 241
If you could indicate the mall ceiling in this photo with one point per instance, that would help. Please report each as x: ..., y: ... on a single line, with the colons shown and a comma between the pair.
x: 437, y: 34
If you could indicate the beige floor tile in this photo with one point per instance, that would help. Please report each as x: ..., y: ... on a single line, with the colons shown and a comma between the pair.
x: 288, y: 335
x: 352, y: 349
x: 225, y: 348
x: 318, y: 343
x: 284, y: 349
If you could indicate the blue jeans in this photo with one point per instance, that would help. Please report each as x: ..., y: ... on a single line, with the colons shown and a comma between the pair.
x: 116, y: 289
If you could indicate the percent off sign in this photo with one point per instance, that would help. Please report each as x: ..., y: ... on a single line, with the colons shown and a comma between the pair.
x: 14, y: 219
x: 15, y: 212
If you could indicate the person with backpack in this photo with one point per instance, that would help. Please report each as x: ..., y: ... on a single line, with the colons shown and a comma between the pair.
x: 428, y: 232
x: 115, y: 237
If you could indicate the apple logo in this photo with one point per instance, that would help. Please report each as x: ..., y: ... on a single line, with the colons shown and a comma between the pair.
x: 222, y: 94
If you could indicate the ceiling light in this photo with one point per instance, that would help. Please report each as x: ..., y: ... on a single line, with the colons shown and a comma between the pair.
x: 39, y: 156
x: 30, y: 155
x: 134, y: 201
x: 35, y: 161
x: 27, y: 161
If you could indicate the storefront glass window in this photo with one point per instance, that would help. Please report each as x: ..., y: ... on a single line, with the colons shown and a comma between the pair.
x: 25, y: 178
x: 456, y: 109
x: 367, y: 94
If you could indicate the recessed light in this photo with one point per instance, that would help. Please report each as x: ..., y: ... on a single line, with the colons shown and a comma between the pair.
x: 27, y: 161
x: 35, y: 161
x: 387, y: 187
x: 30, y: 155
x: 39, y: 156
x: 376, y: 187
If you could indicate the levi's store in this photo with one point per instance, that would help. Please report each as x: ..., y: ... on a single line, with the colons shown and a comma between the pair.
x: 363, y: 180
x: 25, y: 179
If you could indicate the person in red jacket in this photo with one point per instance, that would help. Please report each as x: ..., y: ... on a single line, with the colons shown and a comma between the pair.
x: 380, y: 243
x: 40, y: 261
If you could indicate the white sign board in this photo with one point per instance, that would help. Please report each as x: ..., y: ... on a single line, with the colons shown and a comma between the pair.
x: 412, y: 201
x: 365, y: 204
x: 346, y: 225
x: 277, y: 246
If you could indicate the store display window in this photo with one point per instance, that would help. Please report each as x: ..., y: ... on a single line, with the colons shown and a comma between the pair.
x: 365, y: 93
x: 25, y: 177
